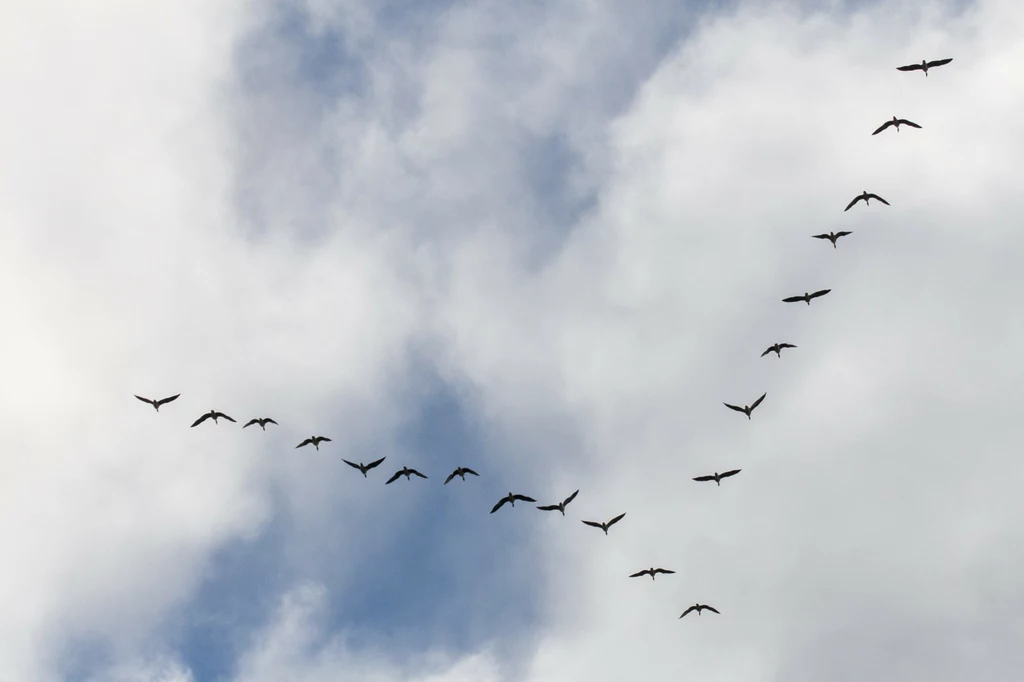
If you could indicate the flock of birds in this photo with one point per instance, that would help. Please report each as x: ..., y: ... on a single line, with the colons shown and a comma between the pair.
x: 512, y: 498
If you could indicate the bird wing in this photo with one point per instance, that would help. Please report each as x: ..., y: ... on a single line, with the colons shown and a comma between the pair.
x: 413, y: 471
x: 882, y: 127
x: 308, y: 441
x: 469, y: 471
x: 352, y: 464
x: 250, y: 423
x: 643, y: 572
x: 164, y: 401
x: 375, y: 463
x: 875, y: 196
x: 393, y: 478
x: 524, y: 498
x: 692, y: 608
x: 615, y: 520
x: 791, y: 299
x: 498, y: 506
x: 712, y: 609
x: 271, y: 421
x: 146, y: 400
x: 324, y: 439
x: 549, y: 507
x: 770, y: 349
x: 819, y: 236
x: 758, y: 401
x: 201, y: 419
x: 704, y: 478
x: 909, y: 67
x: 224, y: 416
x: 571, y: 498
x: 939, y: 62
x: 855, y: 200
x: 786, y: 345
x: 843, y: 233
x: 909, y: 123
x: 451, y: 476
x: 595, y: 524
x: 729, y: 473
x: 663, y: 570
x: 820, y: 293
x: 733, y: 407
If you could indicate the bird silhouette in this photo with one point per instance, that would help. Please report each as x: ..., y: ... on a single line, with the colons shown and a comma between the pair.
x: 924, y: 65
x: 511, y: 499
x: 832, y: 236
x: 896, y: 122
x: 561, y: 505
x: 747, y: 409
x: 405, y: 471
x: 777, y: 349
x: 461, y: 473
x: 212, y: 414
x: 717, y: 477
x: 157, y: 403
x: 650, y: 571
x: 806, y: 298
x: 605, y: 526
x: 262, y: 421
x: 698, y: 608
x: 867, y: 200
x: 314, y: 441
x: 364, y: 467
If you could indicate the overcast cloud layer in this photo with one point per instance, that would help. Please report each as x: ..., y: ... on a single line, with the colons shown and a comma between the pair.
x: 547, y: 242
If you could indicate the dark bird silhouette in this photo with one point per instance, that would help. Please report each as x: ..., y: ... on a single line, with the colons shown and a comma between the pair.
x: 698, y: 608
x: 405, y: 471
x: 262, y: 421
x: 717, y: 478
x: 650, y: 571
x: 212, y: 414
x: 314, y: 441
x: 365, y: 467
x: 777, y: 349
x: 747, y: 409
x: 561, y: 505
x: 896, y: 122
x: 605, y: 526
x: 461, y: 473
x: 511, y: 499
x: 157, y: 403
x: 924, y: 65
x: 806, y: 298
x: 832, y: 236
x: 867, y: 200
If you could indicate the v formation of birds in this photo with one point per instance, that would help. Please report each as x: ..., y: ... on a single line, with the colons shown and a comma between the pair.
x: 560, y: 507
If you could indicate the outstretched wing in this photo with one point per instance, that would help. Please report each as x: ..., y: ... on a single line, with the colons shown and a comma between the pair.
x: 758, y: 401
x: 875, y: 196
x: 500, y: 503
x: 548, y: 507
x: 820, y: 236
x: 200, y: 420
x: 663, y: 570
x: 712, y: 609
x: 855, y: 200
x: 324, y: 439
x: 308, y: 441
x: 692, y: 608
x: 791, y: 299
x: 704, y: 478
x: 939, y: 62
x: 595, y: 524
x: 393, y: 478
x: 882, y: 127
x: 451, y: 476
x: 770, y: 349
x: 571, y: 498
x: 909, y: 123
x: 733, y: 407
x: 250, y: 423
x: 375, y: 463
x: 843, y: 233
x: 640, y: 573
x: 615, y: 520
x: 910, y: 67
x: 413, y: 471
x: 146, y: 400
x: 224, y: 416
x: 524, y: 498
x: 819, y: 293
x: 164, y: 401
x: 729, y: 473
x: 786, y: 345
x: 352, y: 464
x: 469, y: 471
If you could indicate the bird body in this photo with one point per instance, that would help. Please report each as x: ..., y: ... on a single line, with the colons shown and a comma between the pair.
x: 605, y: 526
x: 650, y: 571
x: 314, y: 441
x: 405, y: 471
x: 262, y: 421
x: 832, y: 236
x: 747, y: 409
x: 777, y: 349
x: 717, y: 477
x: 364, y: 467
x: 511, y: 499
x: 806, y: 298
x: 896, y: 122
x: 866, y: 196
x: 924, y: 65
x: 212, y: 414
x: 461, y: 473
x: 698, y: 608
x: 157, y: 403
x: 561, y: 505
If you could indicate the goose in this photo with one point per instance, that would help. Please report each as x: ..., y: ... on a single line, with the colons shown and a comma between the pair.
x: 511, y: 499
x: 157, y: 403
x: 777, y: 349
x: 561, y: 505
x: 806, y: 298
x: 717, y: 478
x: 314, y: 441
x: 866, y: 197
x: 405, y: 471
x: 747, y: 409
x: 605, y: 526
x: 262, y: 421
x: 650, y: 571
x: 212, y: 414
x: 832, y: 236
x: 896, y: 122
x: 364, y: 467
x: 461, y: 473
x: 924, y: 65
x: 700, y: 607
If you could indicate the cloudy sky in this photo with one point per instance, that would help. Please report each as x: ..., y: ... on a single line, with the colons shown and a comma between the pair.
x: 543, y: 240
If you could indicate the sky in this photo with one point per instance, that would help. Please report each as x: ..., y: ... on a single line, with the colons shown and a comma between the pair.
x: 546, y: 241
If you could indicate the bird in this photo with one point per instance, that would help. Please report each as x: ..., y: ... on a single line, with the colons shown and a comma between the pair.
x: 866, y: 197
x: 461, y: 473
x: 605, y: 526
x: 717, y: 478
x: 747, y: 409
x: 777, y: 349
x: 700, y: 607
x: 364, y: 467
x: 262, y: 421
x: 214, y: 414
x: 896, y: 122
x: 511, y: 499
x: 561, y: 505
x: 157, y: 403
x: 404, y: 471
x: 650, y: 571
x: 832, y: 236
x: 806, y: 297
x: 314, y: 441
x: 924, y: 65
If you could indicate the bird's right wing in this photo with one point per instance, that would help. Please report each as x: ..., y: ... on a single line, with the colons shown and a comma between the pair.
x: 882, y: 127
x: 843, y: 233
x: 451, y: 476
x: 250, y: 423
x: 413, y: 471
x: 146, y: 400
x: 375, y: 463
x: 663, y: 570
x: 548, y: 507
x: 939, y: 62
x: 393, y: 478
x: 308, y: 441
x: 469, y: 471
x: 712, y: 609
x: 164, y: 401
x: 500, y: 503
x: 201, y: 420
x: 692, y: 608
x: 767, y: 352
x: 729, y: 473
x: 791, y: 299
x: 820, y: 293
x: 819, y: 236
x: 595, y: 524
x: 615, y: 520
x: 571, y: 497
x: 733, y: 407
x: 758, y: 401
x: 351, y: 464
x: 909, y: 123
x: 909, y: 67
x: 850, y: 205
x: 704, y: 478
x: 643, y: 572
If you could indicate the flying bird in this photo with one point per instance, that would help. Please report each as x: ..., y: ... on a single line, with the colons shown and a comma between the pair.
x: 866, y: 197
x: 212, y: 414
x: 806, y: 298
x: 365, y: 467
x: 717, y: 478
x: 405, y: 471
x: 777, y: 349
x: 605, y: 526
x: 896, y: 122
x: 561, y: 505
x: 650, y: 571
x: 511, y: 499
x: 262, y: 421
x: 832, y: 236
x: 461, y: 473
x: 747, y: 409
x: 314, y: 441
x: 924, y: 65
x: 157, y: 403
x: 700, y: 607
